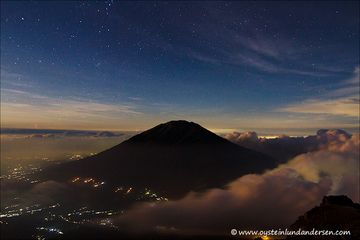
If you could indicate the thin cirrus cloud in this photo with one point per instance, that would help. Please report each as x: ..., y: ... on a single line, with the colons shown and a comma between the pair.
x: 341, y: 106
x: 13, y: 79
x: 343, y: 101
x: 263, y: 53
x: 18, y: 106
x: 276, y: 48
x: 254, y: 57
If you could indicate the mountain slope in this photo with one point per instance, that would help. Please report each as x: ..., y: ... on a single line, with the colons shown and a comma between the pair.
x: 174, y: 157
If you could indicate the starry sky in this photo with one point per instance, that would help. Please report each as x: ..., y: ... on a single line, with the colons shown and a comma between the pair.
x: 226, y: 65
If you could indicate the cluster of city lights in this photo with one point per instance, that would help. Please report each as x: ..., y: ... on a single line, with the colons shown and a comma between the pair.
x: 89, y: 181
x: 22, y: 173
x: 55, y: 215
x: 16, y: 210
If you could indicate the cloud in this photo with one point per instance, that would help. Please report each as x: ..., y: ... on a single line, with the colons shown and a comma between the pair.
x: 56, y: 133
x: 44, y: 193
x: 102, y: 134
x: 341, y: 106
x: 243, y: 137
x: 343, y: 101
x: 262, y: 52
x: 271, y: 200
x: 13, y: 79
x: 48, y: 192
x: 267, y: 47
x: 31, y: 108
x: 108, y: 134
x: 136, y: 98
x: 259, y: 62
x: 284, y: 147
x: 65, y: 106
x: 251, y: 202
x: 41, y: 136
x: 254, y: 60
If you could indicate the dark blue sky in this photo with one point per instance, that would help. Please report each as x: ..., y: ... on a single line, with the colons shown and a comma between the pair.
x: 227, y: 65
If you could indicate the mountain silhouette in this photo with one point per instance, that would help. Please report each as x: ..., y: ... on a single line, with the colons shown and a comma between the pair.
x: 177, y: 132
x: 174, y: 157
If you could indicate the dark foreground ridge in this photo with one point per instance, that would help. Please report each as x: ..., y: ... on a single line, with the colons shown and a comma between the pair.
x: 334, y: 213
x: 174, y: 157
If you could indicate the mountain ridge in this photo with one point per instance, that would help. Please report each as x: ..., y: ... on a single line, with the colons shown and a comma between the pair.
x: 335, y: 213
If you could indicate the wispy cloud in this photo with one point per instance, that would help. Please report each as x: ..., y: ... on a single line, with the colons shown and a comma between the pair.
x: 340, y: 106
x: 341, y: 101
x: 255, y: 60
x: 265, y: 65
x: 136, y: 98
x: 264, y: 52
x: 13, y: 79
x: 32, y: 108
x: 275, y: 48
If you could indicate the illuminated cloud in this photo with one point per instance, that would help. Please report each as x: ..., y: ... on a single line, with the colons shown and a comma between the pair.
x: 348, y: 106
x: 242, y: 137
x: 271, y: 200
x: 284, y: 147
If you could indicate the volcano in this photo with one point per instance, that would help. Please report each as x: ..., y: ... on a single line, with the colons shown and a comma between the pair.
x: 174, y: 157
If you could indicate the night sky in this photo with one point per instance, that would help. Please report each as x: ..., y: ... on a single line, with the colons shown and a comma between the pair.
x: 226, y: 65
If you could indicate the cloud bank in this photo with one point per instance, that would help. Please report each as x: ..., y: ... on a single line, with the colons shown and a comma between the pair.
x: 52, y: 133
x: 284, y: 147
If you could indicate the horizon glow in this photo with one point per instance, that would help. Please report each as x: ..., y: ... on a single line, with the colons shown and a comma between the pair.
x: 228, y: 66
